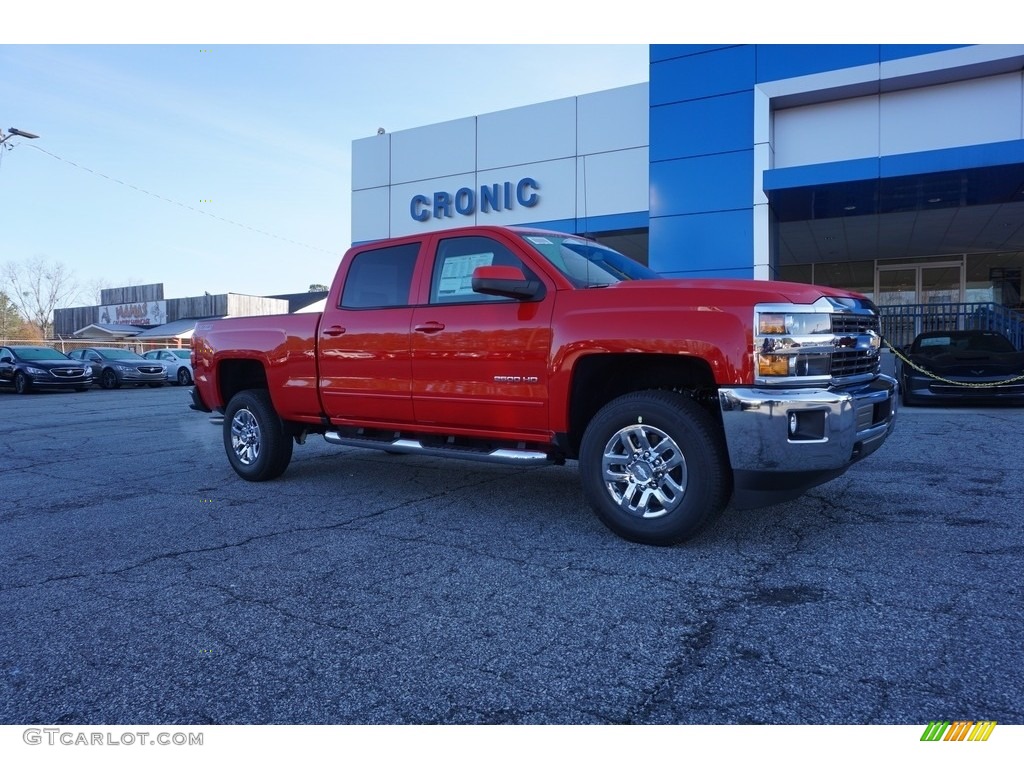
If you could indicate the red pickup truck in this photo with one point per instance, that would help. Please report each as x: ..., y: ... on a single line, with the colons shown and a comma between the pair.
x: 527, y: 347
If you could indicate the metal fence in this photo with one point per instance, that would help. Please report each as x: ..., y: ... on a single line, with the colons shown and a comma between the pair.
x: 900, y: 324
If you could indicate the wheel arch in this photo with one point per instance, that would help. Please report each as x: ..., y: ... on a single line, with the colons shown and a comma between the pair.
x: 237, y: 375
x: 600, y: 378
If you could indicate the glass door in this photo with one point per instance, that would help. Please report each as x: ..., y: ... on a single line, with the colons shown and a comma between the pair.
x: 919, y: 297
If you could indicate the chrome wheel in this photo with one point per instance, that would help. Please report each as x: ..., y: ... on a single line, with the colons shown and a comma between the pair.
x: 654, y: 466
x: 184, y: 379
x: 255, y: 439
x: 644, y: 471
x: 245, y: 437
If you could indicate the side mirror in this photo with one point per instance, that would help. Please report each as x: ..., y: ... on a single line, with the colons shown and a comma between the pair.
x: 6, y: 359
x: 506, y: 281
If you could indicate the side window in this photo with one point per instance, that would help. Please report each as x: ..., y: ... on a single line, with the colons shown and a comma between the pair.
x: 380, y: 278
x: 457, y: 257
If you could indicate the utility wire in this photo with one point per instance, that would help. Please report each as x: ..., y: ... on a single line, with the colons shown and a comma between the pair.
x: 182, y: 205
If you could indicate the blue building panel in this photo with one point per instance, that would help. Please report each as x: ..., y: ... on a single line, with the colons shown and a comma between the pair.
x: 703, y: 244
x: 721, y: 71
x: 664, y: 52
x: 778, y: 62
x: 702, y: 127
x: 701, y: 184
x: 893, y: 52
x: 821, y: 173
x: 957, y: 158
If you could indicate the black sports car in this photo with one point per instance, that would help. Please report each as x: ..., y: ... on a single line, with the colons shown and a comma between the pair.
x: 28, y: 368
x: 981, y: 367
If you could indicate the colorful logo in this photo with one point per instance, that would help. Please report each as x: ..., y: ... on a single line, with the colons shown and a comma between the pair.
x: 959, y: 730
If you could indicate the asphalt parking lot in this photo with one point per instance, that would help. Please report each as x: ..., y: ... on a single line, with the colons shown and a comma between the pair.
x: 143, y: 582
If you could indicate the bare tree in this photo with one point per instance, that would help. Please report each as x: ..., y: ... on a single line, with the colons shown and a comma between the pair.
x: 37, y: 287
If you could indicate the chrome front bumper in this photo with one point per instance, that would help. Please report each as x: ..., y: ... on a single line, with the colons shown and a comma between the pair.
x: 835, y: 428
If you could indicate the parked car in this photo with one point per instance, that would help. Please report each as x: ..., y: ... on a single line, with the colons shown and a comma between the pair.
x: 177, y: 361
x: 984, y: 361
x: 113, y: 367
x: 27, y: 368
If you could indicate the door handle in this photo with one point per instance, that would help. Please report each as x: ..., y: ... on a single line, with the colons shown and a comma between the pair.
x: 334, y: 330
x: 432, y: 327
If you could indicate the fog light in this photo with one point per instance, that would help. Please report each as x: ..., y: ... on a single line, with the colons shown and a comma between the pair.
x: 807, y: 425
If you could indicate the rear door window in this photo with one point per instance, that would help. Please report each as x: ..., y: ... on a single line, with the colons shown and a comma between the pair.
x: 380, y: 278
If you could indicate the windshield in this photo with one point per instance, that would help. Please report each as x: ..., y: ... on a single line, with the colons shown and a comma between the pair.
x: 119, y: 354
x: 587, y: 264
x: 952, y: 343
x: 40, y: 353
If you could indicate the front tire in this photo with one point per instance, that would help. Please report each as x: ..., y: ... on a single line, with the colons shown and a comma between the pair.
x: 184, y: 378
x: 22, y: 385
x: 254, y: 437
x: 654, y: 467
x: 108, y: 379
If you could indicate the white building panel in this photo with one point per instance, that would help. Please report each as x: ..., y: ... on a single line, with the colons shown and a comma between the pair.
x: 371, y: 162
x: 402, y: 195
x: 979, y: 111
x: 556, y: 192
x: 613, y: 182
x: 531, y: 134
x: 433, y: 151
x: 613, y: 119
x: 370, y: 214
x: 825, y: 133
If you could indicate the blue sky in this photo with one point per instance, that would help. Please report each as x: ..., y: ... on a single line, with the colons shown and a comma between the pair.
x: 258, y: 135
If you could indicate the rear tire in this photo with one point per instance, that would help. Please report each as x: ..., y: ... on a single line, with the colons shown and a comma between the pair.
x: 254, y: 437
x: 654, y: 467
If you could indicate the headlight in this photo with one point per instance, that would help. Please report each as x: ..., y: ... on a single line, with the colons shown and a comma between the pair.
x: 35, y: 371
x: 124, y: 368
x: 793, y: 344
x: 835, y: 339
x: 794, y: 324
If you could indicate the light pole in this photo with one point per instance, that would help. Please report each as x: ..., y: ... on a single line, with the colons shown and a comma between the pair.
x: 11, y: 133
x: 16, y: 132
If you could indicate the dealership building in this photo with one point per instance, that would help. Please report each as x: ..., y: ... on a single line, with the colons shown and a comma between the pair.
x: 893, y: 170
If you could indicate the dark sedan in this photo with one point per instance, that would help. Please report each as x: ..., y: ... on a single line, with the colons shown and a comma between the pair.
x: 950, y: 367
x: 113, y: 367
x: 28, y: 368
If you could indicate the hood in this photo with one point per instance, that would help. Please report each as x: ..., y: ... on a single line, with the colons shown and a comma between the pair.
x: 745, y: 291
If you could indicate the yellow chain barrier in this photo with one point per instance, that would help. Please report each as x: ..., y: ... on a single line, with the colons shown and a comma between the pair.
x: 930, y: 374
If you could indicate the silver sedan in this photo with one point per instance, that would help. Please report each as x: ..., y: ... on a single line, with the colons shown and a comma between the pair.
x: 177, y: 361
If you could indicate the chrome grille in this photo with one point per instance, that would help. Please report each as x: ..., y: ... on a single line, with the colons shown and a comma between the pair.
x: 149, y: 369
x: 850, y: 324
x: 67, y: 372
x: 853, y: 363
